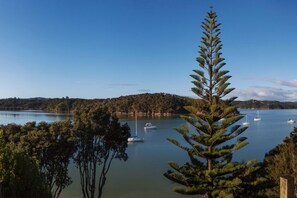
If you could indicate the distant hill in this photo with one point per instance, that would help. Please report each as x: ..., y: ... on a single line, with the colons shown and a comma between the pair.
x: 265, y: 104
x: 146, y: 104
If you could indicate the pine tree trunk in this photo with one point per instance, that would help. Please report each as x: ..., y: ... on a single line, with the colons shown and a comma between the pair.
x: 209, y: 161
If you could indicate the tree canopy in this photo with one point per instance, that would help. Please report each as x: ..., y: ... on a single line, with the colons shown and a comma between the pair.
x: 281, y: 161
x: 19, y: 174
x: 51, y: 145
x: 101, y: 139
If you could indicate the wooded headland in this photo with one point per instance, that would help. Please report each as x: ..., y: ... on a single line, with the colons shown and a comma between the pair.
x: 161, y: 104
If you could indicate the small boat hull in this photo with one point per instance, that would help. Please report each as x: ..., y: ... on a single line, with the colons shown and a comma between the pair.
x: 135, y: 139
x: 245, y: 123
x: 149, y: 126
x: 257, y: 119
x: 291, y: 121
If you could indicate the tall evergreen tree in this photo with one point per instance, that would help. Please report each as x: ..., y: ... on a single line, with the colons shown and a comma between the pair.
x: 212, y: 118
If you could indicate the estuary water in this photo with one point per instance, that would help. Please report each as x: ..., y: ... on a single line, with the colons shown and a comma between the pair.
x: 142, y: 174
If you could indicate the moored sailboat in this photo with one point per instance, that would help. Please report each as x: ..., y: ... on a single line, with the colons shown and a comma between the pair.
x: 246, y: 123
x: 135, y: 138
x: 257, y: 118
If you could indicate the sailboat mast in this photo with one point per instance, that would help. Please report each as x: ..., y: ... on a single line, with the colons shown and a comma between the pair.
x: 136, y: 126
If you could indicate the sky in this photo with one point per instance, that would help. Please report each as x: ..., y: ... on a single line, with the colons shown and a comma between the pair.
x: 112, y: 48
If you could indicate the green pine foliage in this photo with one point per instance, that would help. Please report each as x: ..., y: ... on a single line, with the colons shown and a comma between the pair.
x: 213, y: 118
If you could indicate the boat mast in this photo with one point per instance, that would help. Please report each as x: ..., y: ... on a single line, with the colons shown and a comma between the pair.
x: 136, y: 126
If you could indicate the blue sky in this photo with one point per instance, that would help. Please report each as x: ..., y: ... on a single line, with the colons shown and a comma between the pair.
x: 110, y: 48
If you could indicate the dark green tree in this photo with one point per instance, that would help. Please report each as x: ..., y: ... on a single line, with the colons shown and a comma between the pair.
x: 212, y: 117
x: 281, y: 161
x: 101, y: 139
x: 56, y: 147
x: 20, y: 175
x: 50, y: 144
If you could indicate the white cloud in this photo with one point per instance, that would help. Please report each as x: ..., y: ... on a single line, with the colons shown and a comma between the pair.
x: 287, y: 83
x: 265, y: 93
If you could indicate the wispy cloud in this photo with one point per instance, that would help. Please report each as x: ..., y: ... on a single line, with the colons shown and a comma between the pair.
x: 287, y: 83
x: 123, y: 84
x: 266, y: 93
x: 144, y: 90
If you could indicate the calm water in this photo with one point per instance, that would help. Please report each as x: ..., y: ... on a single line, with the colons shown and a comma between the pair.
x: 141, y: 176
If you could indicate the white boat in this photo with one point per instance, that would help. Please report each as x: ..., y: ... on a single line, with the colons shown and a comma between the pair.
x: 135, y: 138
x: 257, y: 118
x: 149, y: 126
x: 246, y: 123
x: 291, y: 121
x: 221, y: 120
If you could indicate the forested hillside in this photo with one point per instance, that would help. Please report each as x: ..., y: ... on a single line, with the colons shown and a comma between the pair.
x: 265, y: 104
x: 146, y: 104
